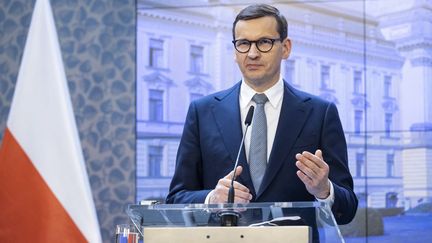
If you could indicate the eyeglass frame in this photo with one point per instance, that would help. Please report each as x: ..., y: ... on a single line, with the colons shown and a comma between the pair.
x: 273, y: 40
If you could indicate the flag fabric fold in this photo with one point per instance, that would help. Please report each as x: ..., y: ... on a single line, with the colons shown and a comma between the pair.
x: 45, y: 194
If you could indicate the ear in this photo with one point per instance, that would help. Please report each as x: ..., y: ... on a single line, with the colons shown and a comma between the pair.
x: 286, y: 45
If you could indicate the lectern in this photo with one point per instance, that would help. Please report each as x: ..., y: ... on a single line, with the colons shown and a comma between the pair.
x: 279, y: 222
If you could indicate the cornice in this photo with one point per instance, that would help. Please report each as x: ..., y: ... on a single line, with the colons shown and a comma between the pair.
x: 413, y: 44
x: 351, y: 50
x: 211, y: 24
x: 421, y: 62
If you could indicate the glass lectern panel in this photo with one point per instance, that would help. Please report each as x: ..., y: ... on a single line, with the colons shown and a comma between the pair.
x: 316, y: 215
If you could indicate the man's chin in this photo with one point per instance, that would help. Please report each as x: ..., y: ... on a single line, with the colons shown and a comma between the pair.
x: 255, y: 77
x: 256, y: 81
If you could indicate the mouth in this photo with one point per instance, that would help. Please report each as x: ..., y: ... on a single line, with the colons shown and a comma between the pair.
x: 253, y: 66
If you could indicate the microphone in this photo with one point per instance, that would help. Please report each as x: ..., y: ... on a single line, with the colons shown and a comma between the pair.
x: 248, y: 121
x: 229, y: 217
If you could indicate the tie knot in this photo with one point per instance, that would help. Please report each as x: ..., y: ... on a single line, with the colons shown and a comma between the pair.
x: 260, y: 98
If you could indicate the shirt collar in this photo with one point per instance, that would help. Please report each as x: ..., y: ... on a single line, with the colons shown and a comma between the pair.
x: 274, y: 94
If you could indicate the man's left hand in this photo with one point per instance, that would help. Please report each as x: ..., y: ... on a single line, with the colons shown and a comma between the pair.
x: 313, y: 172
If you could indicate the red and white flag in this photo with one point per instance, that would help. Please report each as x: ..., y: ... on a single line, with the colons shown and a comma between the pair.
x: 45, y: 194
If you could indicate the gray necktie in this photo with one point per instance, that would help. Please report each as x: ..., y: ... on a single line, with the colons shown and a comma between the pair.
x: 258, y: 144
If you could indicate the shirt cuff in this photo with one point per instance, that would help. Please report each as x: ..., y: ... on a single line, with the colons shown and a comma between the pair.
x: 207, y: 199
x: 330, y: 199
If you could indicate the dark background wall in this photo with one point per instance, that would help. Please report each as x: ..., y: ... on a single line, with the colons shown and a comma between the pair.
x: 97, y: 39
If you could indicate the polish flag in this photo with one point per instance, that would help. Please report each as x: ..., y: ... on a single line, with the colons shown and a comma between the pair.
x: 45, y: 194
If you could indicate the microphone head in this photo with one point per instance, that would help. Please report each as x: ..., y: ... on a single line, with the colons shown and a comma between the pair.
x: 249, y: 116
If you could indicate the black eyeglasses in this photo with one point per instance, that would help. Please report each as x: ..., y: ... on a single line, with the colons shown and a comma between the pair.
x: 263, y: 44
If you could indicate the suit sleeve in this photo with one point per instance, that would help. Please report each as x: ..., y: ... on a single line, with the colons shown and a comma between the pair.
x: 335, y: 154
x: 187, y: 183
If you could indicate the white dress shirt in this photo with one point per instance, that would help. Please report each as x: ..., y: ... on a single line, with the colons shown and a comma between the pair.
x: 272, y: 110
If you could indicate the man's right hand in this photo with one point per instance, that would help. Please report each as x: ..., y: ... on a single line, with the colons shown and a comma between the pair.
x: 220, y: 193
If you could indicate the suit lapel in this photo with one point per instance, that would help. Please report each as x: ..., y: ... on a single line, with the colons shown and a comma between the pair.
x: 293, y: 115
x: 226, y: 111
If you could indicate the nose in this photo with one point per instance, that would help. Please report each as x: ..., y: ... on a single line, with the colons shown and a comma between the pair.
x: 253, y: 52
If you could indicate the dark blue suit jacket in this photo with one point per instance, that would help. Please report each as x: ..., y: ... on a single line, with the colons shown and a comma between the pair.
x: 212, y: 135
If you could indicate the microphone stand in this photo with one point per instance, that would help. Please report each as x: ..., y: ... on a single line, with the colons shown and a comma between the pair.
x: 229, y: 217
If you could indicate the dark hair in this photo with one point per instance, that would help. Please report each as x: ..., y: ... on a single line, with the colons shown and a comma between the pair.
x: 262, y: 10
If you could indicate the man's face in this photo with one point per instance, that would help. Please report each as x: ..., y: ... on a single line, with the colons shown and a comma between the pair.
x: 260, y: 70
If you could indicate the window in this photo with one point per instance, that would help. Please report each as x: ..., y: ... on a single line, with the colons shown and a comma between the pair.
x: 156, y: 53
x: 358, y: 119
x: 387, y: 86
x: 197, y: 59
x: 390, y: 165
x: 155, y: 160
x: 360, y: 164
x: 155, y: 105
x: 388, y: 124
x: 194, y: 96
x: 357, y: 82
x: 289, y: 71
x: 325, y: 77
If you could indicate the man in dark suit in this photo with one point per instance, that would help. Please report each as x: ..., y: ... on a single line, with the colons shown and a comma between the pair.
x: 302, y: 144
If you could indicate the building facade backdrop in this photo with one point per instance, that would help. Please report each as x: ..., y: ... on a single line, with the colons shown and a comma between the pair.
x: 373, y: 59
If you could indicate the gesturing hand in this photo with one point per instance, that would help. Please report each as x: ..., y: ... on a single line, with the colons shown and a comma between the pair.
x: 313, y: 172
x: 220, y: 193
